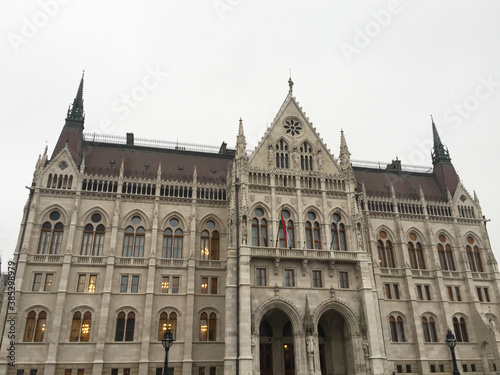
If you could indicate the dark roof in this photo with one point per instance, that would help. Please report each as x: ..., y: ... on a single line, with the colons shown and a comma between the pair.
x: 142, y: 162
x: 406, y: 184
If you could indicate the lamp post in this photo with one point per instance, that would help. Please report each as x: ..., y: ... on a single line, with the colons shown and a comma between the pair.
x: 451, y: 341
x: 167, y: 341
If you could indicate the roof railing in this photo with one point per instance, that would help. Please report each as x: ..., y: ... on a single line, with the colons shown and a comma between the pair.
x: 383, y: 165
x: 155, y: 143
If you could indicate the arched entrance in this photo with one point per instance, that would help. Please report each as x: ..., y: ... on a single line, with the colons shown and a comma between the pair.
x: 276, y: 344
x: 336, y: 355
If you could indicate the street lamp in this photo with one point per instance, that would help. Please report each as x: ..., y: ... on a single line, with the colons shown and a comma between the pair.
x: 451, y: 341
x: 167, y: 341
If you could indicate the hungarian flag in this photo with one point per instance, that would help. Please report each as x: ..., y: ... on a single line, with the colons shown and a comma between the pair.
x: 285, y: 233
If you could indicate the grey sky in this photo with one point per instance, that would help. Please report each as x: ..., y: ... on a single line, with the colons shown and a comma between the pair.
x: 187, y: 70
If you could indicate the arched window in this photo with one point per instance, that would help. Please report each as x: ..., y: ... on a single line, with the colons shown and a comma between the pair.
x: 460, y: 328
x: 338, y: 233
x: 282, y: 158
x: 385, y: 253
x: 259, y: 228
x: 313, y: 235
x: 125, y: 324
x: 30, y: 326
x: 210, y: 242
x: 445, y: 253
x: 93, y: 237
x: 416, y: 253
x: 473, y: 255
x: 80, y: 329
x: 429, y: 329
x: 172, y: 240
x: 397, y: 329
x: 133, y: 243
x: 167, y: 322
x: 208, y: 326
x: 289, y: 239
x: 51, y: 235
x: 306, y: 157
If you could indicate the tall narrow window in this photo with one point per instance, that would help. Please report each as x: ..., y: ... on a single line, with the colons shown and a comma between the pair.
x: 385, y: 253
x: 445, y: 254
x: 167, y: 322
x: 172, y: 240
x: 306, y: 157
x: 282, y: 158
x: 261, y: 279
x: 289, y: 277
x: 473, y: 255
x: 93, y: 237
x: 80, y: 330
x: 259, y: 228
x: 460, y: 328
x: 343, y: 280
x: 317, y: 279
x: 125, y: 325
x: 30, y: 326
x: 51, y: 235
x: 133, y: 242
x: 338, y: 233
x: 429, y: 329
x: 210, y: 242
x: 396, y: 327
x: 287, y: 241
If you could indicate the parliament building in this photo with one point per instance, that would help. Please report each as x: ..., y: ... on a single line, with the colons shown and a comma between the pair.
x: 288, y: 259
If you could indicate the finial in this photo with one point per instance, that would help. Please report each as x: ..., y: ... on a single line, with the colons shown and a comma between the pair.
x: 290, y: 82
x: 432, y: 119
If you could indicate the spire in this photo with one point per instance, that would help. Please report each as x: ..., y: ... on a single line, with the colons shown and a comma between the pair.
x: 345, y: 155
x: 439, y: 152
x: 75, y: 112
x: 241, y: 142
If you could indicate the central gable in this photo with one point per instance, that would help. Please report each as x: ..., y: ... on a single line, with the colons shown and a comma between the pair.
x: 292, y: 144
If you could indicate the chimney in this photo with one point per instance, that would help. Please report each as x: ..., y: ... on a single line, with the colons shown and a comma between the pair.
x: 130, y: 139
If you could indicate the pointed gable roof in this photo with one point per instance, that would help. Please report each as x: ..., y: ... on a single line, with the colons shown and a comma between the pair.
x: 294, y: 133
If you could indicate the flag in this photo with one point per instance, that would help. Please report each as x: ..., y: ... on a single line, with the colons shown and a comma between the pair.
x: 285, y: 232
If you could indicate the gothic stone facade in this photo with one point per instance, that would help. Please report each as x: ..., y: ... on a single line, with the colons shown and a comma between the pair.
x: 123, y: 240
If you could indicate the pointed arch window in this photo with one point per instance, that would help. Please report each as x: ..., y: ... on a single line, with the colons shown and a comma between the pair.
x: 289, y: 240
x: 167, y: 322
x: 125, y: 325
x: 338, y: 233
x: 210, y: 242
x: 445, y: 253
x: 51, y: 235
x: 429, y: 329
x: 173, y: 240
x: 259, y: 229
x: 93, y: 237
x: 80, y: 328
x: 208, y: 326
x: 306, y: 157
x: 35, y: 326
x: 313, y: 234
x: 416, y: 253
x: 396, y: 327
x: 473, y: 255
x: 133, y: 242
x: 282, y: 157
x: 460, y: 328
x: 385, y: 251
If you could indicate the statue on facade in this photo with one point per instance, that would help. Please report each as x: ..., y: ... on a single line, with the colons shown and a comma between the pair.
x: 310, y: 352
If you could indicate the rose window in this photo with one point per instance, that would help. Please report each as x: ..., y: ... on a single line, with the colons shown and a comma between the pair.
x: 292, y: 126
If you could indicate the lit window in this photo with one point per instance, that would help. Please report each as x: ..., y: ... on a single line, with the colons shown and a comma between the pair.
x: 35, y: 326
x: 86, y: 283
x: 80, y: 328
x: 210, y: 242
x: 167, y: 322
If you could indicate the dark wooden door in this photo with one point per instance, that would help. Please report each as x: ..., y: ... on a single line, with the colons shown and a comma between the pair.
x: 289, y: 359
x: 266, y: 359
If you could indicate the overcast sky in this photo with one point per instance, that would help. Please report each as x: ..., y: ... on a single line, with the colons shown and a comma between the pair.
x: 188, y: 70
